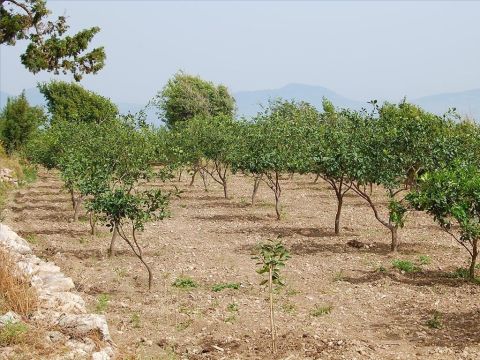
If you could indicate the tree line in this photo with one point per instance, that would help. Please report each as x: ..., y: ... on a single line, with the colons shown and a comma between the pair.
x: 421, y: 161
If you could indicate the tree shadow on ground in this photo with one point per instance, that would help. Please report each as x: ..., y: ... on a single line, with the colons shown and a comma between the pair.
x: 420, y: 278
x: 66, y: 232
x: 29, y: 207
x: 51, y: 217
x: 26, y: 200
x: 222, y: 204
x: 231, y: 218
x: 456, y: 329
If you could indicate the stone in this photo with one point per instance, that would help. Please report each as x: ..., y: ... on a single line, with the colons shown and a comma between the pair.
x: 10, y: 317
x: 82, y: 325
x: 12, y: 241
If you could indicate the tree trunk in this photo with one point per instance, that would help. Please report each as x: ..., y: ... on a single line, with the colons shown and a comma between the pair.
x: 180, y: 175
x: 339, y: 213
x: 272, y: 319
x: 224, y: 183
x: 277, y: 196
x: 316, y: 179
x: 93, y: 222
x: 72, y: 197
x: 204, y: 178
x: 78, y: 203
x: 111, y: 250
x: 193, y: 177
x: 256, y: 185
x: 395, y: 242
x: 471, y: 272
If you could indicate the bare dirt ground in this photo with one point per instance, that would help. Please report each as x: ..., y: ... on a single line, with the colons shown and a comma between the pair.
x: 377, y: 312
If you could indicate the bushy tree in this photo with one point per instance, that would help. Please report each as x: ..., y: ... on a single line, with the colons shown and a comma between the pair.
x: 186, y: 96
x: 274, y: 143
x: 332, y: 152
x: 49, y: 48
x: 18, y: 123
x: 452, y: 196
x: 391, y: 150
x: 72, y: 103
x: 209, y: 143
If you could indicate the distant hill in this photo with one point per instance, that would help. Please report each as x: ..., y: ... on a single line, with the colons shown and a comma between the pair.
x: 467, y: 103
x: 249, y: 102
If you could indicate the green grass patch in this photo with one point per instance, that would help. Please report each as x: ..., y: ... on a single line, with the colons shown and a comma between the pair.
x: 222, y: 286
x: 102, y: 303
x: 405, y: 265
x: 435, y: 322
x: 13, y: 333
x: 321, y: 310
x: 184, y: 283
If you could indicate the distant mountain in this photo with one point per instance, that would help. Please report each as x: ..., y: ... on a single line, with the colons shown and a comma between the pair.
x: 250, y: 102
x: 467, y: 103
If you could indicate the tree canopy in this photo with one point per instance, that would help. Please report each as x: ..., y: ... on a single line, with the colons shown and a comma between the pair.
x: 72, y: 103
x: 186, y: 96
x: 18, y: 122
x: 49, y: 47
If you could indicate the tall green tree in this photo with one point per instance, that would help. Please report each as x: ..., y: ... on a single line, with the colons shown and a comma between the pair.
x: 18, y: 123
x: 72, y: 103
x: 186, y: 96
x: 49, y: 47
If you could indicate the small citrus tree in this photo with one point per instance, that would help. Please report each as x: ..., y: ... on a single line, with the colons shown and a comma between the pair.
x: 272, y: 257
x: 452, y: 197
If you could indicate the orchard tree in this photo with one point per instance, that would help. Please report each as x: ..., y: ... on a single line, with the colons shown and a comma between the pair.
x: 49, y: 48
x: 452, y: 197
x: 212, y: 140
x: 18, y: 123
x: 186, y: 96
x: 392, y: 150
x: 72, y: 103
x: 275, y: 144
x: 332, y: 152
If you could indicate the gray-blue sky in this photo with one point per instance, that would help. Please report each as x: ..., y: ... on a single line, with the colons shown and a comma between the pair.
x: 362, y: 50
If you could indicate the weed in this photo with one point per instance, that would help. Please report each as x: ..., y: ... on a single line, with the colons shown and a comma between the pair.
x: 183, y: 206
x: 121, y: 273
x: 321, y: 310
x: 29, y: 174
x: 102, y: 303
x: 220, y: 287
x: 32, y: 239
x: 435, y: 322
x: 291, y: 292
x: 405, y: 265
x: 184, y: 283
x: 12, y: 333
x: 339, y: 276
x: 135, y: 320
x: 184, y: 324
x: 232, y: 307
x: 381, y: 269
x: 230, y: 319
x: 424, y: 259
x: 83, y: 241
x: 16, y: 293
x: 289, y: 308
x: 461, y: 273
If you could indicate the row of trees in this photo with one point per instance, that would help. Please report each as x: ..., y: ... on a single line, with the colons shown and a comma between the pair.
x: 106, y: 159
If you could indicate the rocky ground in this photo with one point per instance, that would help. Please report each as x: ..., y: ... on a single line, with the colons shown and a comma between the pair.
x: 339, y: 302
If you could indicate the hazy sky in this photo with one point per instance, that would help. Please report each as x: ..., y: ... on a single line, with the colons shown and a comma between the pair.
x: 362, y: 50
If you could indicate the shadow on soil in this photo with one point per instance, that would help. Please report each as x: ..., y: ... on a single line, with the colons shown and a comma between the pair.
x: 421, y: 278
x: 231, y: 218
x: 28, y: 207
x: 456, y: 329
